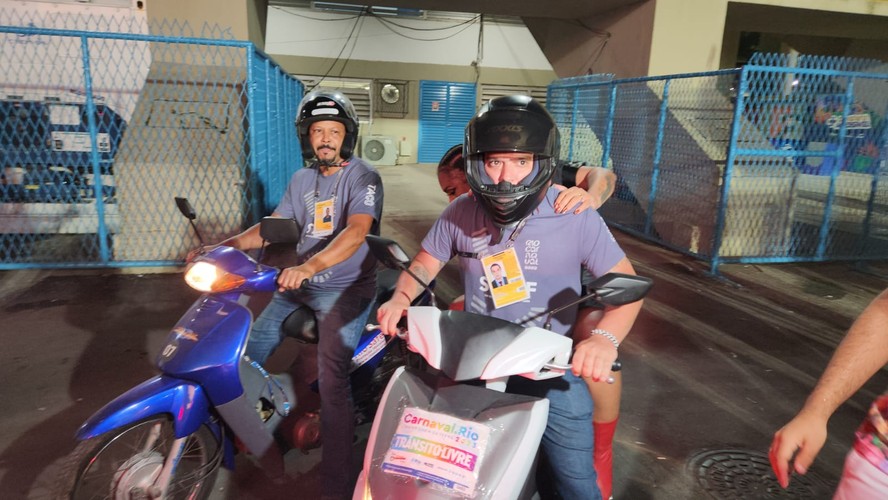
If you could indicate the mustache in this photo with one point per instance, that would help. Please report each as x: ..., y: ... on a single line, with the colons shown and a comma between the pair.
x: 324, y: 146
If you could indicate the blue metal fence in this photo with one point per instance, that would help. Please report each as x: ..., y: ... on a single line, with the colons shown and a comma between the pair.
x: 100, y: 130
x: 780, y: 161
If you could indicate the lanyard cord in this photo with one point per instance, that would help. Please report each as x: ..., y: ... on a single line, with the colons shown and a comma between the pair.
x: 335, y: 186
x: 515, y: 232
x: 509, y: 244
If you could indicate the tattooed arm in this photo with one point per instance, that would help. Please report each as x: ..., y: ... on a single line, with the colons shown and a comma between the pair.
x: 592, y: 187
x: 425, y: 267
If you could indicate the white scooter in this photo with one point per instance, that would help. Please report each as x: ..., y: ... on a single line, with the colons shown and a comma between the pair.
x: 452, y: 431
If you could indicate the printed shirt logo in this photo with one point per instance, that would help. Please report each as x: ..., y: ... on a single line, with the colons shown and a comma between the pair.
x: 370, y: 197
x: 531, y: 254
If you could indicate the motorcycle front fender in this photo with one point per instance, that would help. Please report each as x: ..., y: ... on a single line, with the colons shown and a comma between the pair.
x: 186, y: 403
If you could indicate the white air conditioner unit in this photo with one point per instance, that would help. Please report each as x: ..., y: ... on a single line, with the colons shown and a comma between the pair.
x: 379, y: 149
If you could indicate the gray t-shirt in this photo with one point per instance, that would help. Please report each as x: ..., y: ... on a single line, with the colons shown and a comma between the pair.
x: 550, y: 247
x: 358, y: 190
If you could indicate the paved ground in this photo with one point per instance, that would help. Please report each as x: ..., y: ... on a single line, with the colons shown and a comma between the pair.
x: 712, y: 369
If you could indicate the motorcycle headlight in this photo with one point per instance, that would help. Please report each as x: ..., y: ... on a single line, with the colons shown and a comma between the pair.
x: 206, y: 277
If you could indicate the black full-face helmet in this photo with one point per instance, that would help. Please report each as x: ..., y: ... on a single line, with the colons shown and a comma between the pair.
x: 511, y: 124
x: 319, y: 106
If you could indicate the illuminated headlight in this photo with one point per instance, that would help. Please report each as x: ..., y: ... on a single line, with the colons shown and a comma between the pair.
x: 206, y: 277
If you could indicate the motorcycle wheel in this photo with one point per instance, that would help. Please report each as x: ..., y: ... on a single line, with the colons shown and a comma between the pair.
x: 124, y: 463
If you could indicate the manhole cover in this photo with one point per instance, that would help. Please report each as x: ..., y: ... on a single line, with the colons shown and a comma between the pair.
x: 737, y: 473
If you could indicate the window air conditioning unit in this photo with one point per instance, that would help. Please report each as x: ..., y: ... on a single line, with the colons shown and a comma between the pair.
x: 379, y: 149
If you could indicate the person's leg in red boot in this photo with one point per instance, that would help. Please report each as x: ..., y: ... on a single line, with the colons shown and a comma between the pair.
x: 606, y: 399
x: 604, y: 457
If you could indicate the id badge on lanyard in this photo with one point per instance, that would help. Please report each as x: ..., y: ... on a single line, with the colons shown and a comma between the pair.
x: 323, y: 217
x: 505, y: 276
x: 325, y: 210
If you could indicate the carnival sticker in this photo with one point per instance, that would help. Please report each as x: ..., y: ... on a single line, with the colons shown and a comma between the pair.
x: 443, y: 450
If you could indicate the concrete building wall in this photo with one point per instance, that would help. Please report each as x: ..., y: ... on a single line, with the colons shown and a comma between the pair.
x: 244, y: 18
x: 687, y: 36
x: 647, y: 37
x: 617, y: 42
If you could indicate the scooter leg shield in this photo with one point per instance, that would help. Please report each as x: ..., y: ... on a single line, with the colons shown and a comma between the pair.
x: 186, y: 404
x: 505, y: 458
x: 253, y: 416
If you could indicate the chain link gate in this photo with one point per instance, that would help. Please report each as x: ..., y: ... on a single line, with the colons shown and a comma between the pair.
x: 781, y: 161
x: 102, y: 124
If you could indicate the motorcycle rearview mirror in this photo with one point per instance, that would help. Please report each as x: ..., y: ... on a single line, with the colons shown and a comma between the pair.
x: 188, y: 211
x: 616, y: 289
x: 611, y: 289
x: 392, y: 256
x: 185, y: 208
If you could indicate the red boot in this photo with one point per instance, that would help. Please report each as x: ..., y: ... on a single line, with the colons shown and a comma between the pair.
x: 604, y: 456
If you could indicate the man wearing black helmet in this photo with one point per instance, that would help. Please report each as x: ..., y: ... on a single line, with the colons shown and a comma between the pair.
x: 511, y: 152
x: 338, y: 201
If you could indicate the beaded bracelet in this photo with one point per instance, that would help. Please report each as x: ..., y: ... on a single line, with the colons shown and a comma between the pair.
x: 608, y: 335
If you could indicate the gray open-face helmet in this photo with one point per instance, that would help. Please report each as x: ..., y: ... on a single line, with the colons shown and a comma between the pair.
x: 322, y: 105
x: 511, y: 124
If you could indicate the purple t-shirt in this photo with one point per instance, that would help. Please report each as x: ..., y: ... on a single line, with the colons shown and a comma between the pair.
x: 550, y: 248
x: 358, y: 190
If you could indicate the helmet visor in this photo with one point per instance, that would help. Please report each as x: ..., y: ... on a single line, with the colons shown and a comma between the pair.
x: 507, y: 189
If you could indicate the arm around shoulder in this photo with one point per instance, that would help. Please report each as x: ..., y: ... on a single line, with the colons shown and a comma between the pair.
x: 598, y: 182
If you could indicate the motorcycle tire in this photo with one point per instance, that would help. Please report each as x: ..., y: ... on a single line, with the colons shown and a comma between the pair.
x: 124, y: 462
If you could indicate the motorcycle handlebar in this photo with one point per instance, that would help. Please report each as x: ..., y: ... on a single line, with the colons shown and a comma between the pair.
x: 617, y: 366
x: 402, y: 330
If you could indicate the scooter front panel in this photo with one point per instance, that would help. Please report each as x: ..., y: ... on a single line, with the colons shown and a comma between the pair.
x: 513, y: 425
x: 206, y: 346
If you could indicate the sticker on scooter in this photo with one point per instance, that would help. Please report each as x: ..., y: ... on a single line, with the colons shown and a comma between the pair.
x: 185, y: 333
x: 169, y: 350
x: 443, y: 450
x: 373, y: 348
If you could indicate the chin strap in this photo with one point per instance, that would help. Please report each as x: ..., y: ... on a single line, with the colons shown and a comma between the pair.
x: 497, y: 235
x: 330, y: 164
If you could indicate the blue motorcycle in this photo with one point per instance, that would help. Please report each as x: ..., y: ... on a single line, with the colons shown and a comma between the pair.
x: 167, y: 437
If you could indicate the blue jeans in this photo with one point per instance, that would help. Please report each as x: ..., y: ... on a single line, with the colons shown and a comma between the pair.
x: 568, y: 441
x: 342, y: 316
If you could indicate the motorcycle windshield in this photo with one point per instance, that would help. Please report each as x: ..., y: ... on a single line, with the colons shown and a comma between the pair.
x: 459, y: 343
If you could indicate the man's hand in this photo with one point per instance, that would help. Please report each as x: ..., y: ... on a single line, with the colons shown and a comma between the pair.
x: 594, y: 357
x: 389, y: 314
x: 803, y: 437
x: 292, y: 278
x: 570, y: 198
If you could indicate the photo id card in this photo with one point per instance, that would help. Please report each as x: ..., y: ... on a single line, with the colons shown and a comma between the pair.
x: 505, y: 277
x: 323, y: 218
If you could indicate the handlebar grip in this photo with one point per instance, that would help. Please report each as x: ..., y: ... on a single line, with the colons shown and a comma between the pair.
x: 402, y: 329
x: 617, y: 366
